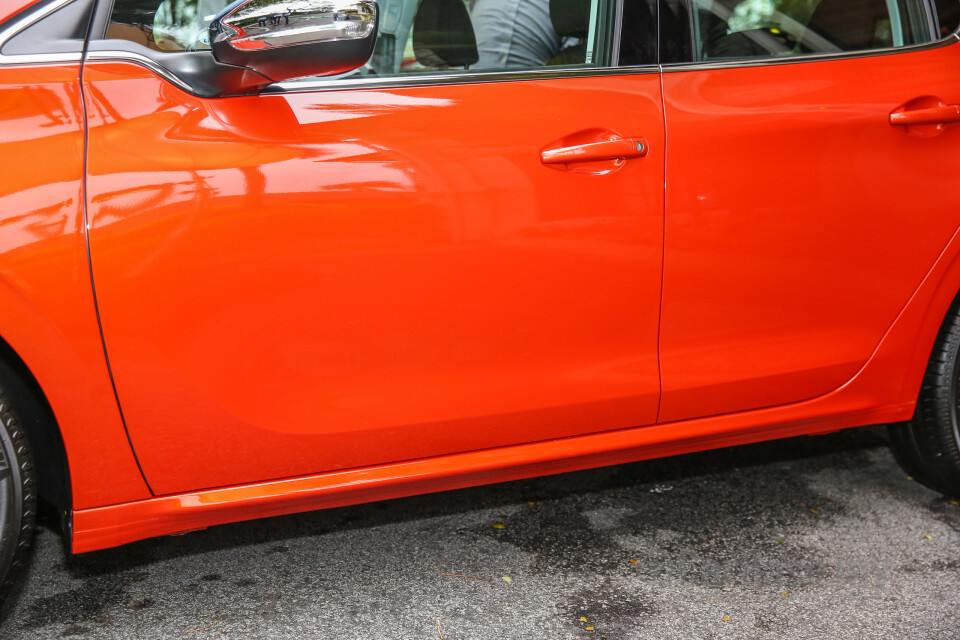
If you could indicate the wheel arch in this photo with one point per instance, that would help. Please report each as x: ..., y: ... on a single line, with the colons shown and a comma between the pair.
x: 903, y: 353
x: 52, y: 353
x: 43, y: 431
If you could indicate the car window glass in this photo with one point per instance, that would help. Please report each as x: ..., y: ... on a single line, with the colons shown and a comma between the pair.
x: 638, y: 33
x: 425, y: 36
x: 948, y: 16
x: 675, y: 38
x: 775, y: 28
x: 170, y: 25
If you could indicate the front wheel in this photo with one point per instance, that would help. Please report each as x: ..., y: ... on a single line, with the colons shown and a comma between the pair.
x: 18, y: 499
x: 928, y: 446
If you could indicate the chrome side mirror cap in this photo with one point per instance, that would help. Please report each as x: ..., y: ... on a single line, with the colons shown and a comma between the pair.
x: 285, y: 39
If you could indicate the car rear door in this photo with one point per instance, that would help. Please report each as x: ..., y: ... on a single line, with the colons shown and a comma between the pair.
x: 801, y: 212
x: 383, y: 267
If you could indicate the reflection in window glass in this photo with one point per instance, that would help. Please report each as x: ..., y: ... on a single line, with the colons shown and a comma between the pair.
x: 767, y: 28
x: 184, y: 23
x: 170, y: 25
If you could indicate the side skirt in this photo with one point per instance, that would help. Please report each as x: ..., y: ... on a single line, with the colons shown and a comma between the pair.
x: 104, y: 527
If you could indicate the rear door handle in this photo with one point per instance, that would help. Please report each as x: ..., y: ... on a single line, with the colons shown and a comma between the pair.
x: 624, y: 148
x: 931, y: 111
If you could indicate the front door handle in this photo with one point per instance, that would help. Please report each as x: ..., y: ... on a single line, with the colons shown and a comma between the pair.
x: 927, y: 110
x: 616, y: 149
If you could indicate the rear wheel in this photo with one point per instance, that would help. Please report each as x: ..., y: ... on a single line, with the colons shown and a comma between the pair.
x: 18, y: 500
x: 928, y: 446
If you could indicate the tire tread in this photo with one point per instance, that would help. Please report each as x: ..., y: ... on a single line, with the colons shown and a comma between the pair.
x: 10, y: 421
x: 928, y: 446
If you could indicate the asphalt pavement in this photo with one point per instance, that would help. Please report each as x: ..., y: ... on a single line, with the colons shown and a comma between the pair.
x: 812, y: 537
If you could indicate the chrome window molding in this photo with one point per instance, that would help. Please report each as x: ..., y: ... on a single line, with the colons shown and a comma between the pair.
x: 467, y: 77
x: 367, y: 82
x: 22, y: 23
x: 143, y: 61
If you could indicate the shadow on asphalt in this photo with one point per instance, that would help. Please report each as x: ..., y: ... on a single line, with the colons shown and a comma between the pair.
x: 660, y: 471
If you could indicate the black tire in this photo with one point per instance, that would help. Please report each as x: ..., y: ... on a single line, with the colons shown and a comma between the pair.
x: 906, y: 451
x: 18, y: 497
x: 928, y: 446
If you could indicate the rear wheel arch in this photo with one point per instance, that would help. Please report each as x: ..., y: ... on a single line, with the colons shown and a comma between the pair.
x: 928, y: 445
x: 898, y: 366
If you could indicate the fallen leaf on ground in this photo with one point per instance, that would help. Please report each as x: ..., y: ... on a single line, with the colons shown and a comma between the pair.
x: 633, y: 562
x: 814, y: 511
x: 927, y: 538
x: 507, y: 579
x: 583, y: 618
x: 725, y: 618
x: 785, y: 593
x: 497, y: 525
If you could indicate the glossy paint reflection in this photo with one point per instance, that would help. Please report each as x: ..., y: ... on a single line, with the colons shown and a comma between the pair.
x: 48, y: 312
x: 793, y: 245
x: 331, y: 280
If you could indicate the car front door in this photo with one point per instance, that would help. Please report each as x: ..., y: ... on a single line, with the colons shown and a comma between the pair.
x: 397, y: 264
x: 801, y: 211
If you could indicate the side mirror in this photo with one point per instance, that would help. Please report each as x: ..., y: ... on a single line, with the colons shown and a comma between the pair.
x: 285, y: 39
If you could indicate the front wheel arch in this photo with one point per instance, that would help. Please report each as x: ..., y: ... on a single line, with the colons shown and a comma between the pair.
x: 43, y: 432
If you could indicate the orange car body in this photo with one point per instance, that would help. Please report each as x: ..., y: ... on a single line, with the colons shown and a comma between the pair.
x: 320, y: 298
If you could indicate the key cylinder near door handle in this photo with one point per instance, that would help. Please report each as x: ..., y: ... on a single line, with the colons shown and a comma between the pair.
x: 620, y: 148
